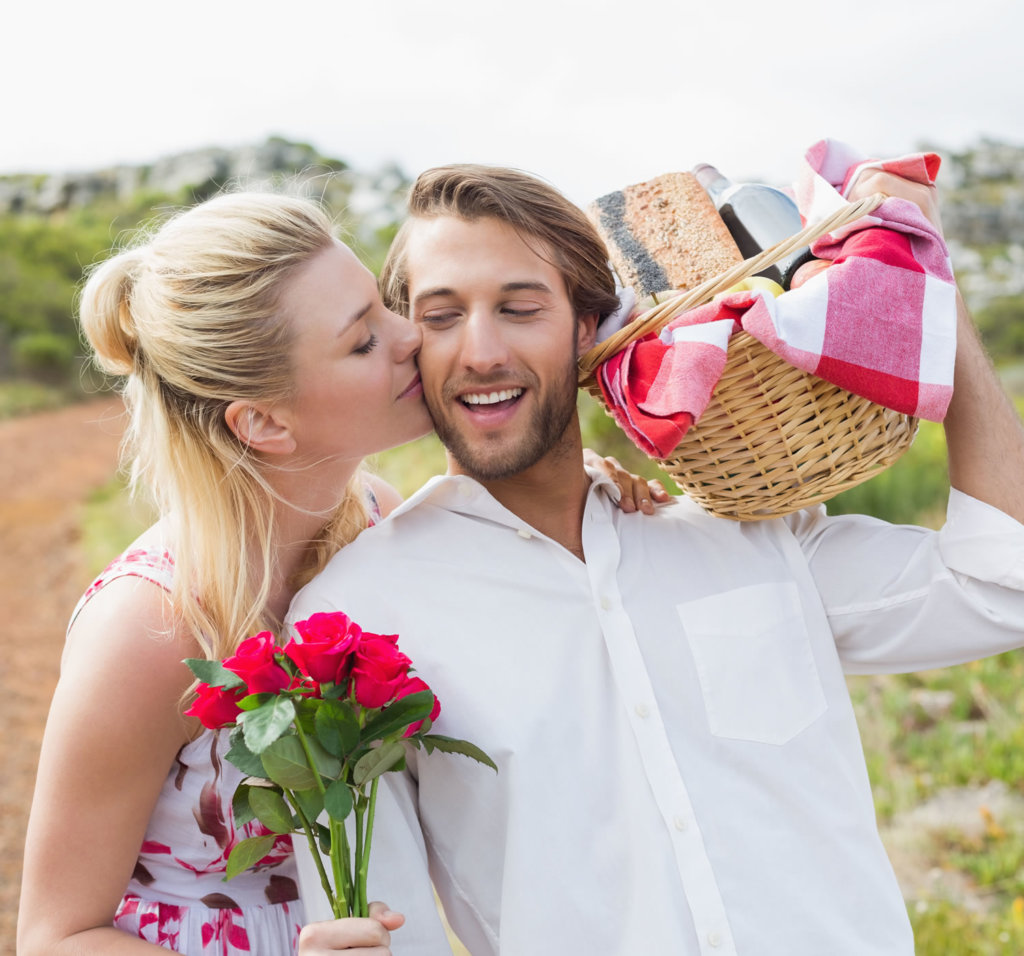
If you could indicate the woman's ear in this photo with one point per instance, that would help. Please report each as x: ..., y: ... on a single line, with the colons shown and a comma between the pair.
x: 260, y: 428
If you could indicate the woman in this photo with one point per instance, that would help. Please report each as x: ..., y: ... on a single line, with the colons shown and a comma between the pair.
x: 248, y: 336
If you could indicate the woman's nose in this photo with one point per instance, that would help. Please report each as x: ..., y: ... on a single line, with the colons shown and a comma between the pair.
x: 408, y: 337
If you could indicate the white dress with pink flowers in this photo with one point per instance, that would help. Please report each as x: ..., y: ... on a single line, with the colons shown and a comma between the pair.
x: 177, y: 897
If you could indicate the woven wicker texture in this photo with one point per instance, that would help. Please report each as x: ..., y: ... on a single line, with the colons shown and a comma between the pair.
x: 773, y: 439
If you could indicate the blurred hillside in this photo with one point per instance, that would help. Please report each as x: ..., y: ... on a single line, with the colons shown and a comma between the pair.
x: 53, y: 226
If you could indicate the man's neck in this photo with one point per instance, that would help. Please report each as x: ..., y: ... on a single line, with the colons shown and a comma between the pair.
x: 550, y: 496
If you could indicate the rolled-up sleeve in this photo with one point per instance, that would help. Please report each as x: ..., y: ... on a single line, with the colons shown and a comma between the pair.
x: 981, y: 542
x: 903, y: 598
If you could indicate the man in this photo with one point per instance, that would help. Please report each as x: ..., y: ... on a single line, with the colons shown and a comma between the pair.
x: 680, y: 769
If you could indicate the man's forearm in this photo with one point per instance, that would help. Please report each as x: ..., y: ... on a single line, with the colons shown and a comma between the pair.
x: 984, y: 434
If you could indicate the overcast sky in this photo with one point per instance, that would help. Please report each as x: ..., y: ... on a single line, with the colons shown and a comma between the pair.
x: 591, y: 95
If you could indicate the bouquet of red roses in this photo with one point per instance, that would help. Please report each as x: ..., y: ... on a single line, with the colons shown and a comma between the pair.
x: 315, y: 724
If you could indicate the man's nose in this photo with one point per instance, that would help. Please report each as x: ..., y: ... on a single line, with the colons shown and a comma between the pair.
x: 483, y: 345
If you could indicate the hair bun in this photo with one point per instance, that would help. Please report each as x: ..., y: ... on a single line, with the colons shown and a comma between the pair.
x: 106, y: 312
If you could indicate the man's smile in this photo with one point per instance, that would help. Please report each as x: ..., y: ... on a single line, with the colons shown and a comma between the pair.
x: 491, y: 398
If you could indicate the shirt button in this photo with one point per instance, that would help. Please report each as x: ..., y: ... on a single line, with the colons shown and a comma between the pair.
x: 606, y: 603
x: 642, y: 710
x: 715, y: 939
x: 679, y: 823
x: 525, y: 533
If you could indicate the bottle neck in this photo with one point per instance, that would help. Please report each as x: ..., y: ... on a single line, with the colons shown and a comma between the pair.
x: 714, y: 183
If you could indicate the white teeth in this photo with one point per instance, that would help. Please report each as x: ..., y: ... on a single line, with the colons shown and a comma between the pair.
x: 491, y: 398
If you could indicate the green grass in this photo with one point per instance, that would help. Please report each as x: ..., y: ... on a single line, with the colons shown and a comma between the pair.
x: 24, y: 397
x: 942, y: 929
x: 111, y: 520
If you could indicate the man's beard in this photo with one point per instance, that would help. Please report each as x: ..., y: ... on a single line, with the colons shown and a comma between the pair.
x: 536, y: 438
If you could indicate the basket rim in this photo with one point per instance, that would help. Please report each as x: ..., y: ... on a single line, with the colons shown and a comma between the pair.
x: 656, y: 318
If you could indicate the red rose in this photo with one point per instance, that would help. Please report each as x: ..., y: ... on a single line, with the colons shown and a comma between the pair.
x: 379, y: 668
x: 413, y: 685
x: 255, y: 663
x: 216, y: 706
x: 324, y: 653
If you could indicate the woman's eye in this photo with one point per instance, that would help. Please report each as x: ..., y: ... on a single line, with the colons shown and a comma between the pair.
x: 368, y: 346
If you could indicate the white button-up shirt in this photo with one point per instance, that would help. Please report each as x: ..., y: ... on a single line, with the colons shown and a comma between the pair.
x: 680, y: 768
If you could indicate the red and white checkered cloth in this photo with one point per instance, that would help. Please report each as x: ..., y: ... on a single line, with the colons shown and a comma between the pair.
x: 879, y: 322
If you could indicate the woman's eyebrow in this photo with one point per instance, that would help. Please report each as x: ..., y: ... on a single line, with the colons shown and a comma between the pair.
x: 354, y: 318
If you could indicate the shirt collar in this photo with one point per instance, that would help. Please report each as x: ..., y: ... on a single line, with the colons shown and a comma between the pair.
x: 465, y: 495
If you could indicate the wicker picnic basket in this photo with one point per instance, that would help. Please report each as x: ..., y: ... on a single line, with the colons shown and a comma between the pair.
x: 773, y: 438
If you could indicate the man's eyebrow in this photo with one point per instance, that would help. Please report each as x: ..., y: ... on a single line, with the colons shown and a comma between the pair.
x: 507, y: 287
x: 430, y: 293
x: 525, y: 287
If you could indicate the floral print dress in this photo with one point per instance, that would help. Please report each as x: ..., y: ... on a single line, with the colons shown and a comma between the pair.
x: 177, y: 897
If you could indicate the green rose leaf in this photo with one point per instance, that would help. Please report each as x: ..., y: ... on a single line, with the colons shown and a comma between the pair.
x: 240, y: 808
x: 450, y: 745
x: 248, y: 853
x: 398, y: 715
x: 379, y: 760
x: 323, y: 837
x: 285, y: 763
x: 242, y: 757
x: 334, y: 691
x: 252, y: 701
x: 271, y: 810
x: 213, y: 673
x: 338, y: 800
x: 328, y: 765
x: 337, y: 727
x: 267, y: 722
x: 310, y: 802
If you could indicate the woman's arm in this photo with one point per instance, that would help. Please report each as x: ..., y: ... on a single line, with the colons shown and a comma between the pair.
x: 111, y: 736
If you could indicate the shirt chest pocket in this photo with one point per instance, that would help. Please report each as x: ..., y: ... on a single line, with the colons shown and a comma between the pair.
x: 753, y: 658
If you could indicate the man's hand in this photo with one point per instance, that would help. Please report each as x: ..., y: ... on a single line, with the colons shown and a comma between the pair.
x: 872, y: 181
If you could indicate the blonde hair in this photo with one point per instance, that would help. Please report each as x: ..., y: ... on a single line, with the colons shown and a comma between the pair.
x: 191, y: 317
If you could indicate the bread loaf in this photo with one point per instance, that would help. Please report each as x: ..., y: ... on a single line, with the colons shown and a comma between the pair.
x: 664, y: 234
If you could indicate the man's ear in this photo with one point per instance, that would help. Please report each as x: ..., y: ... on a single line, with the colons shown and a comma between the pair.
x: 259, y: 427
x: 586, y: 332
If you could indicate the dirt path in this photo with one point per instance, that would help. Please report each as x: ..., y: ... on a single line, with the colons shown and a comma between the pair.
x: 48, y: 465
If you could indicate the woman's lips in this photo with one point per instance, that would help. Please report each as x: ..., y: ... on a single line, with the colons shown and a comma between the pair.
x: 413, y: 389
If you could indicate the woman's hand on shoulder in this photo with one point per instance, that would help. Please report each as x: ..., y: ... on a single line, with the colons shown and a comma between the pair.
x: 364, y: 937
x: 638, y: 494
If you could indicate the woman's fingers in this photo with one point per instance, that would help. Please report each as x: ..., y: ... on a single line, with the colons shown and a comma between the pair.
x: 362, y: 937
x: 386, y: 917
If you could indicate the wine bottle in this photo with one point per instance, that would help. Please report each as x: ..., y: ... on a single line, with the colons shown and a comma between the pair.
x: 757, y: 215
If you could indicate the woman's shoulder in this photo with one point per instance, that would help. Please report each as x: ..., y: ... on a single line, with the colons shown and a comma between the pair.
x: 147, y: 557
x: 134, y: 590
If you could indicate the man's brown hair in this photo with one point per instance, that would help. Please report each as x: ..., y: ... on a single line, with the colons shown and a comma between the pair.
x: 541, y: 215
